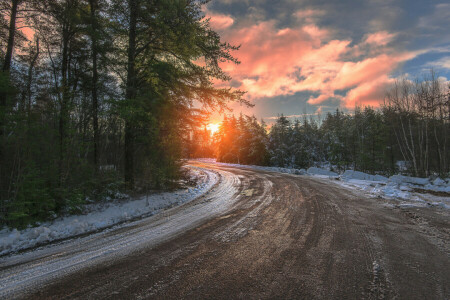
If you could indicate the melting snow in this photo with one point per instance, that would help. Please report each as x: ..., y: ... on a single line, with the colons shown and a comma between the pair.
x: 104, y: 216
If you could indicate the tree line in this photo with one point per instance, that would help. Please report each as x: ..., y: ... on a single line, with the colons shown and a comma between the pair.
x: 409, y: 133
x: 96, y: 94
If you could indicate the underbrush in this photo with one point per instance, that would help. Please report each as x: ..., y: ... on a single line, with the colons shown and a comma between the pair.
x: 37, y: 200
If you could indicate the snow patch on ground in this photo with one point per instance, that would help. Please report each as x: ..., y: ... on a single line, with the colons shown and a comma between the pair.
x: 319, y: 171
x: 399, y: 188
x: 105, y: 215
x: 350, y: 174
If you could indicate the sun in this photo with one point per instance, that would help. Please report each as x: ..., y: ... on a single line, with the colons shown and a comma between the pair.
x: 213, y: 127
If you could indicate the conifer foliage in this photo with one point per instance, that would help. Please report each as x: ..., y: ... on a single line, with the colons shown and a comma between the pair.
x: 243, y: 140
x: 98, y: 96
x: 410, y: 133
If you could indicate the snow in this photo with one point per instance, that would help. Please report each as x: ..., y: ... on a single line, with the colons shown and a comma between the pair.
x: 254, y: 167
x: 438, y: 181
x: 105, y: 215
x: 109, y: 214
x: 33, y: 269
x: 350, y: 174
x: 398, y: 188
x: 411, y: 180
x: 318, y: 171
x: 311, y: 171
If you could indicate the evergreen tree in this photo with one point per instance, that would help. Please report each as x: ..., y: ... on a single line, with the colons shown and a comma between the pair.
x: 279, y: 143
x: 105, y: 89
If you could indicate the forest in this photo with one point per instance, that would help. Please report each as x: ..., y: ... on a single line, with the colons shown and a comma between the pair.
x: 409, y: 133
x: 98, y: 96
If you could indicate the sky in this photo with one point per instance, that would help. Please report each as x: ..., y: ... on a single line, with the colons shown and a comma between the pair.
x: 303, y: 57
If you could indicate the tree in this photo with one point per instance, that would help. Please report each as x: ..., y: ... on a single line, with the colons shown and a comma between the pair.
x: 279, y: 142
x: 165, y: 40
x: 93, y: 7
x: 416, y: 109
x: 111, y: 84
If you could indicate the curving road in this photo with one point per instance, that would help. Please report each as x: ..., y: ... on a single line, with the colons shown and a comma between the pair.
x: 256, y: 234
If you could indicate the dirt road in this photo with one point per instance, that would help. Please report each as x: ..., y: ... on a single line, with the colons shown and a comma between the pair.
x: 280, y: 236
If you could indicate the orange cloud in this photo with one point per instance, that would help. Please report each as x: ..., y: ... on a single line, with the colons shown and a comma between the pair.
x: 277, y: 62
x: 354, y: 73
x: 218, y: 22
x: 368, y: 93
x: 271, y: 57
x: 380, y: 38
x: 323, y: 97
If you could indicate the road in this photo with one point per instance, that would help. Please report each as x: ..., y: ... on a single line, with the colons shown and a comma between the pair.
x: 256, y: 234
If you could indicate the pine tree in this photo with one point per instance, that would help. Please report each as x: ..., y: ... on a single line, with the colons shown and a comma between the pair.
x: 279, y: 142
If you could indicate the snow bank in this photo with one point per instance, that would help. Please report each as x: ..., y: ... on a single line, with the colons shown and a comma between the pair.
x: 105, y: 215
x: 439, y: 182
x: 398, y: 188
x: 350, y: 174
x: 438, y: 185
x: 318, y: 171
x: 285, y: 170
x: 400, y: 179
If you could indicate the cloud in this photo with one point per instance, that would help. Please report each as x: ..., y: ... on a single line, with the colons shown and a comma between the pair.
x: 368, y: 93
x: 278, y: 62
x: 442, y: 63
x: 305, y: 53
x: 380, y: 38
x: 285, y: 51
x: 323, y: 97
x: 355, y: 73
x: 440, y: 16
x: 309, y: 15
x: 269, y: 56
x: 218, y: 21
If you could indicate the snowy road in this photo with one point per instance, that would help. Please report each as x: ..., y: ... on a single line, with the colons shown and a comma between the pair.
x: 255, y: 234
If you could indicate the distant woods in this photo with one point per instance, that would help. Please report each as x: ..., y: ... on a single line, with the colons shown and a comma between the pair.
x: 100, y: 94
x: 410, y: 133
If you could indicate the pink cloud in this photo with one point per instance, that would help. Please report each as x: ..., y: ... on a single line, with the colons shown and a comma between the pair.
x: 368, y: 93
x: 271, y: 57
x: 322, y: 97
x: 354, y: 73
x: 217, y: 21
x: 266, y: 49
x: 284, y: 61
x: 380, y: 38
x: 220, y: 22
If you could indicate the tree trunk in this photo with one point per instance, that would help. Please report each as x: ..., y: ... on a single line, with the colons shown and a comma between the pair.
x: 8, y: 57
x: 93, y: 4
x: 6, y: 67
x: 130, y: 93
x: 30, y: 79
x: 11, y: 36
x: 64, y: 113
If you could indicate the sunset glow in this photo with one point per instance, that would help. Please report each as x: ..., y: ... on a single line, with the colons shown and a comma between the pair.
x: 213, y: 127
